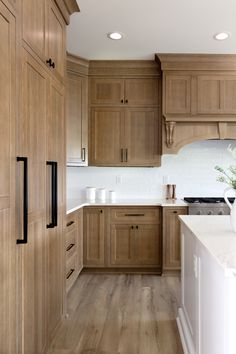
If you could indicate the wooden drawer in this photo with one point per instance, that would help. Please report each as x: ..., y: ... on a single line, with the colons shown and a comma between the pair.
x: 71, y: 271
x: 71, y: 221
x: 135, y: 215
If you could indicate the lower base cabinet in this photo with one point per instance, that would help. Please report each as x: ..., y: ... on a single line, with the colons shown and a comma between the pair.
x: 122, y: 237
x: 171, y: 238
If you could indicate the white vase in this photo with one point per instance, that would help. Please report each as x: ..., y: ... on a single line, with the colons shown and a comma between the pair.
x: 232, y: 208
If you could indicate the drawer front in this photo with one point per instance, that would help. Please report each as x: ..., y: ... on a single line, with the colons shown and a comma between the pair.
x: 71, y: 222
x: 71, y: 238
x: 71, y: 271
x: 136, y: 215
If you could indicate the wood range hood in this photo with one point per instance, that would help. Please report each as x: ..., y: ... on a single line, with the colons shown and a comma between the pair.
x: 198, y: 98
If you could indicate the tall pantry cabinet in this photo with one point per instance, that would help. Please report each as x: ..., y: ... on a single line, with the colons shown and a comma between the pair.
x: 32, y: 197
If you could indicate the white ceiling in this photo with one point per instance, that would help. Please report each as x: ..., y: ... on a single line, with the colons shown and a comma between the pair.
x: 151, y: 26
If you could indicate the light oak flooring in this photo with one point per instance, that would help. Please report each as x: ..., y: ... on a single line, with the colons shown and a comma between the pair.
x: 120, y: 314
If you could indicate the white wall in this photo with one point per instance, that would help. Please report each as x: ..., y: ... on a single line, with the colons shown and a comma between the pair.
x: 192, y: 170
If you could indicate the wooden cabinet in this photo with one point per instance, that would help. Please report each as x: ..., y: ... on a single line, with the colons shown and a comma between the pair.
x: 55, y: 153
x: 73, y: 247
x: 135, y: 237
x: 34, y: 18
x: 216, y: 94
x: 56, y: 41
x: 125, y: 124
x: 94, y: 237
x: 77, y: 111
x: 33, y: 269
x: 106, y: 137
x: 130, y: 91
x: 124, y: 137
x: 177, y: 94
x: 43, y: 29
x: 9, y: 234
x: 171, y: 238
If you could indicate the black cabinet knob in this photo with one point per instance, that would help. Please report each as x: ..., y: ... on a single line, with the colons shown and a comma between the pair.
x: 50, y: 63
x: 122, y: 101
x: 126, y: 101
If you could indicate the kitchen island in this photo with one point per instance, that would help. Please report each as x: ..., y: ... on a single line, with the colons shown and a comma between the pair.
x: 207, y: 316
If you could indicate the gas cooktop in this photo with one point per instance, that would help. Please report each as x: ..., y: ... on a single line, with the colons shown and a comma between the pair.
x: 206, y: 200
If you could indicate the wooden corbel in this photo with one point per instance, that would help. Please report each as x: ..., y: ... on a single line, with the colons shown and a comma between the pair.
x: 170, y: 129
x: 223, y: 128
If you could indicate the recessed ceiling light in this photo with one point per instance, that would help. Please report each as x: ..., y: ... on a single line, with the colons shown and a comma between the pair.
x: 221, y: 36
x: 115, y: 35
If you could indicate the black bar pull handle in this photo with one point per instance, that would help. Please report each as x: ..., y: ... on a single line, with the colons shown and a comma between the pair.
x: 53, y: 222
x: 25, y: 200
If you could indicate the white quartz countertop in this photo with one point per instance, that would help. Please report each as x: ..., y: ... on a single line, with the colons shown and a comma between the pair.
x: 75, y: 204
x: 215, y: 233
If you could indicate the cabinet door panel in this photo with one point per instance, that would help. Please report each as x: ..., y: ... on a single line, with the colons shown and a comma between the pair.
x: 55, y: 246
x: 122, y: 245
x: 141, y: 92
x: 171, y: 238
x: 142, y: 137
x: 32, y: 130
x: 107, y: 91
x: 34, y: 25
x: 210, y: 98
x: 56, y: 40
x: 77, y: 120
x: 148, y: 245
x: 7, y: 183
x: 229, y: 95
x: 94, y: 237
x: 177, y: 94
x: 106, y: 132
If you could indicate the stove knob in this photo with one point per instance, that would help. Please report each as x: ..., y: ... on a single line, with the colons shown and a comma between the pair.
x: 209, y: 212
x: 220, y: 212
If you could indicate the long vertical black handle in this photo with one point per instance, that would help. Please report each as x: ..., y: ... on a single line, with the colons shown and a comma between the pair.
x: 25, y: 200
x: 53, y: 222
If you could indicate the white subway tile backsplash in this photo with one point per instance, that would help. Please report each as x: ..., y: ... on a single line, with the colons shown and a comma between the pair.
x: 192, y: 170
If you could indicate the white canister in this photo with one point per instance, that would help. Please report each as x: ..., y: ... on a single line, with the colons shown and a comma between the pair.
x: 112, y: 196
x: 91, y: 193
x: 101, y: 192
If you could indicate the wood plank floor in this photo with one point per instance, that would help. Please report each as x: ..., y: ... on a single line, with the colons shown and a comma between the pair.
x: 120, y: 314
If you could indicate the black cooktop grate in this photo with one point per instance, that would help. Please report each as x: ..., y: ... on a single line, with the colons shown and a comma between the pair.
x: 205, y: 200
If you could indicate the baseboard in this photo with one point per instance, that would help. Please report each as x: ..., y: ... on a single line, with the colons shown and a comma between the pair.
x: 154, y: 271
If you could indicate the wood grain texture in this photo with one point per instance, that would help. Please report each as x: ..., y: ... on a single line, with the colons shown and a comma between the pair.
x: 8, y: 233
x: 120, y: 314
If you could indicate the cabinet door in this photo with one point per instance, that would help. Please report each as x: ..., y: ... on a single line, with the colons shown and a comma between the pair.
x: 55, y: 153
x: 177, y: 94
x: 229, y: 86
x: 94, y: 233
x: 171, y: 238
x: 142, y: 134
x: 56, y: 40
x: 106, y: 136
x: 210, y: 98
x: 140, y: 92
x: 34, y: 25
x: 122, y: 245
x: 148, y: 245
x: 32, y: 136
x: 7, y: 183
x: 107, y: 91
x: 77, y: 120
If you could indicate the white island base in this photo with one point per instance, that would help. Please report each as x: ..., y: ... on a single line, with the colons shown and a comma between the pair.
x: 207, y: 317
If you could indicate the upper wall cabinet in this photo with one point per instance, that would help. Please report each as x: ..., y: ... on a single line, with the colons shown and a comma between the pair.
x: 77, y: 111
x: 124, y: 113
x: 43, y: 29
x: 133, y: 92
x: 198, y: 98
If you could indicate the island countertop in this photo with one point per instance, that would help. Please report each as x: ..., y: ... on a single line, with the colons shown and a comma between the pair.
x: 75, y: 204
x: 217, y: 236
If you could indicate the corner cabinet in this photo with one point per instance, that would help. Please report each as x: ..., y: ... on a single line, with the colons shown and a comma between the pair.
x: 124, y: 124
x: 171, y: 238
x: 77, y: 111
